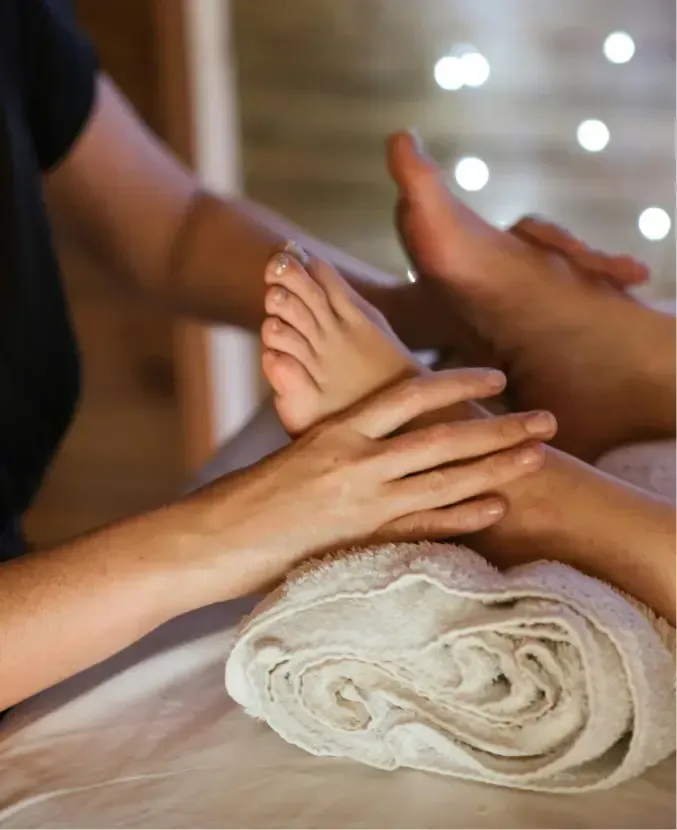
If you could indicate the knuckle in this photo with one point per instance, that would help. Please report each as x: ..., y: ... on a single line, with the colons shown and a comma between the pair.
x: 440, y: 433
x: 413, y: 390
x: 409, y: 394
x: 460, y: 519
x: 438, y: 482
x: 510, y: 429
x: 412, y: 526
x: 492, y: 468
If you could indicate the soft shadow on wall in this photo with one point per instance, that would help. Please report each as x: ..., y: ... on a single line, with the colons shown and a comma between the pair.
x: 322, y: 82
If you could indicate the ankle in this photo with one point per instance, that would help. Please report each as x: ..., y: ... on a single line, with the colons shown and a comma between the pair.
x: 534, y: 520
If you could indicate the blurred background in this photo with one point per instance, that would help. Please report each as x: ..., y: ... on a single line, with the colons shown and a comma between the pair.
x: 560, y: 107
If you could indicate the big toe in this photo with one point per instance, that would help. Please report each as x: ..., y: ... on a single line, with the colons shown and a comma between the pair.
x: 445, y: 239
x: 417, y: 176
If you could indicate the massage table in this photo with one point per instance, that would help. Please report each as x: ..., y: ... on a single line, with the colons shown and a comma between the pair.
x: 150, y: 739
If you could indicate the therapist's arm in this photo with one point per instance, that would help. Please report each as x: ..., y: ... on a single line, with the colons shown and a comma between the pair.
x: 142, y: 213
x: 68, y: 608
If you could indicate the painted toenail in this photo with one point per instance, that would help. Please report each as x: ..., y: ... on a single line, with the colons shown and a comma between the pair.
x: 295, y: 250
x: 281, y: 264
x: 278, y: 295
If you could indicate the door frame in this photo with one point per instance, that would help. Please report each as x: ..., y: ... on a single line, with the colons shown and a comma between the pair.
x: 192, y: 350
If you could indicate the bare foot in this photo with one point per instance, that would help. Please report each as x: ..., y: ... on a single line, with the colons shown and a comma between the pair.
x: 602, y: 364
x: 325, y: 348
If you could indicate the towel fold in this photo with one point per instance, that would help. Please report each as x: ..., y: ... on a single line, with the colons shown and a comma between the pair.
x: 425, y: 656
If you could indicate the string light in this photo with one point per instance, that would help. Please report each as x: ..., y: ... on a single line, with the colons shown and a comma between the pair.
x: 593, y: 135
x: 463, y: 66
x: 654, y: 223
x: 471, y: 173
x: 619, y: 47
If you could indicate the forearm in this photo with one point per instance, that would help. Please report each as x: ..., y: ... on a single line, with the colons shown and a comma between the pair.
x: 65, y: 609
x: 220, y: 254
x: 135, y: 208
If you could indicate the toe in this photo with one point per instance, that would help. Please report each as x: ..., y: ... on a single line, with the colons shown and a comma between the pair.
x: 286, y: 271
x: 296, y: 396
x: 279, y: 302
x: 349, y: 307
x: 414, y: 172
x: 280, y: 337
x: 342, y: 298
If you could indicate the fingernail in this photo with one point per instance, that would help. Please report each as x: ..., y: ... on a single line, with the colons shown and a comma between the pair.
x: 540, y: 423
x: 281, y: 263
x: 493, y: 509
x: 496, y: 379
x: 295, y: 250
x: 530, y: 456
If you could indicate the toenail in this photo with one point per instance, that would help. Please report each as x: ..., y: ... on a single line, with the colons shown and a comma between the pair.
x: 278, y: 295
x: 281, y: 264
x: 295, y: 250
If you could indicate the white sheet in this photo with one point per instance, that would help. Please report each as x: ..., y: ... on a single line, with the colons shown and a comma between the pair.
x: 150, y: 740
x: 159, y: 744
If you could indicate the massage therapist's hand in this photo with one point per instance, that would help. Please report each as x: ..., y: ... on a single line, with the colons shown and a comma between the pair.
x: 348, y: 480
x: 619, y: 272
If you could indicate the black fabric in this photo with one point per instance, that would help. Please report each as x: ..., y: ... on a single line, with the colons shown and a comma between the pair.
x: 47, y: 82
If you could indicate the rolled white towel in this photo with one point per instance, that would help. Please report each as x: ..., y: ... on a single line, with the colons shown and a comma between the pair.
x: 425, y: 656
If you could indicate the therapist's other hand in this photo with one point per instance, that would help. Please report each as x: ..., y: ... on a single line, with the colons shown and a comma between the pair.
x: 619, y: 272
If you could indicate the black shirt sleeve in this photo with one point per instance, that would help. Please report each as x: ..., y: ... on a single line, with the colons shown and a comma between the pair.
x: 59, y: 69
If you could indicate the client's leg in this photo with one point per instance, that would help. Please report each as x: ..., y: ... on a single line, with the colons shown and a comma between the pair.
x: 323, y: 353
x: 604, y: 365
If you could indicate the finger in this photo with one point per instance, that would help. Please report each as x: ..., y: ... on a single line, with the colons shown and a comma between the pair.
x: 617, y: 270
x: 633, y: 272
x: 469, y: 517
x: 550, y: 235
x: 391, y: 409
x: 547, y: 234
x: 600, y: 264
x: 435, y: 446
x: 451, y: 485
